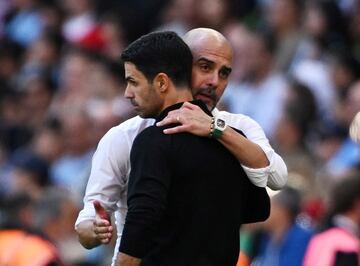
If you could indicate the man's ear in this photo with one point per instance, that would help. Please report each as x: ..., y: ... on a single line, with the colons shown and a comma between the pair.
x: 161, y: 81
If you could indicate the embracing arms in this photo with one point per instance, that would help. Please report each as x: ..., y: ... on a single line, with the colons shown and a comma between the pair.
x: 262, y: 164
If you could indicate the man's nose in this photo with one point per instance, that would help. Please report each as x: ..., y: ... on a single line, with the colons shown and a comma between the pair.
x: 213, y: 80
x: 128, y: 94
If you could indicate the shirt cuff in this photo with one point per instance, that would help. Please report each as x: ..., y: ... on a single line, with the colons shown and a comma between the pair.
x: 259, y: 176
x: 87, y: 213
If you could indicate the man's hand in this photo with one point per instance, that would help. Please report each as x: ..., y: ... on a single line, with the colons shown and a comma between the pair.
x: 102, y: 224
x: 192, y: 119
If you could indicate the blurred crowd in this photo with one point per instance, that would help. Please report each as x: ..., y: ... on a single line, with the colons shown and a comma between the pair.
x: 296, y: 71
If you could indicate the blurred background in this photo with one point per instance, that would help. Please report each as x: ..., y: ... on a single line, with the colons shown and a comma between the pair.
x: 296, y: 72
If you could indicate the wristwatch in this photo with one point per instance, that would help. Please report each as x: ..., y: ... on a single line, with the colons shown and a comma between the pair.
x: 218, y: 127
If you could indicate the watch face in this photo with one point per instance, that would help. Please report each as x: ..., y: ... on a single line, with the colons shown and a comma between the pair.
x: 220, y: 123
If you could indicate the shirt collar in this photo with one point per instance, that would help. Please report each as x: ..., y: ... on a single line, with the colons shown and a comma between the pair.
x: 347, y: 224
x: 215, y: 111
x: 199, y: 103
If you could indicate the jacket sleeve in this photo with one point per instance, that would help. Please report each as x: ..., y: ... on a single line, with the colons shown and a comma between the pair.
x: 258, y: 207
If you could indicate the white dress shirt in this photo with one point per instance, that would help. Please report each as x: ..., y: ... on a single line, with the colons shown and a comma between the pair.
x: 111, y: 166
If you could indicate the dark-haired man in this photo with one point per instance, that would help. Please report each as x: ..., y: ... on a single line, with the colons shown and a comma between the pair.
x: 187, y: 195
x: 339, y: 244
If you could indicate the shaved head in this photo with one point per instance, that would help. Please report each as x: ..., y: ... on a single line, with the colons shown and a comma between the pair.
x: 212, y: 64
x: 203, y: 32
x: 203, y: 37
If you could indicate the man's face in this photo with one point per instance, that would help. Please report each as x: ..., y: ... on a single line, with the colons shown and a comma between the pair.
x: 141, y: 93
x: 210, y: 72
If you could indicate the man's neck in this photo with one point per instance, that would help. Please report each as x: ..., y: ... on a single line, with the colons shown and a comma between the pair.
x: 347, y: 222
x: 177, y: 96
x: 178, y: 104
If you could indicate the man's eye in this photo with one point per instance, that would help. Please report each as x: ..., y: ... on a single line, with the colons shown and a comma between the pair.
x: 205, y: 67
x: 224, y: 75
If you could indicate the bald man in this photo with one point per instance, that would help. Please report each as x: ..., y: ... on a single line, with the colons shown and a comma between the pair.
x: 212, y: 59
x: 212, y: 56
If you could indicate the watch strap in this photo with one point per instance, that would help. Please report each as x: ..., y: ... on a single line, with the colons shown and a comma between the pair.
x: 217, y: 133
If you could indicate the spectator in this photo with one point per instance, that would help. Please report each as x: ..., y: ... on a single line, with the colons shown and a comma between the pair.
x: 339, y: 244
x: 48, y: 141
x: 261, y: 94
x: 178, y: 16
x: 80, y: 26
x: 73, y: 167
x: 26, y: 24
x: 54, y: 214
x: 285, y: 241
x: 30, y: 174
x: 294, y: 133
x: 284, y: 18
x: 347, y: 156
x: 19, y: 245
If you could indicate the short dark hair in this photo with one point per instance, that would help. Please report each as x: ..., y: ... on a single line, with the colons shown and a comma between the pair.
x: 290, y: 199
x: 345, y: 193
x: 159, y: 52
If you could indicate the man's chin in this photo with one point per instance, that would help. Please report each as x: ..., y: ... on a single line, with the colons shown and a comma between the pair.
x: 208, y: 102
x: 138, y: 112
x: 142, y: 115
x: 210, y: 105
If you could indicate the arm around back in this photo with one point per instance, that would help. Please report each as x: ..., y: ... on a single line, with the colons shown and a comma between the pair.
x: 252, y: 152
x: 108, y: 177
x: 261, y: 163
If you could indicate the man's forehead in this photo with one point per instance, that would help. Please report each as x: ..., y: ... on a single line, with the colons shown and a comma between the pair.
x: 129, y: 67
x: 131, y: 70
x: 218, y: 56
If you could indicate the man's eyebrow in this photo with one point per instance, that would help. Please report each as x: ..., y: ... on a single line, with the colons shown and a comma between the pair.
x: 129, y: 78
x: 226, y: 69
x: 206, y: 60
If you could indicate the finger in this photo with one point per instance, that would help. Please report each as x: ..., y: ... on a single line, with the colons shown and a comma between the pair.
x: 171, y: 118
x: 174, y: 113
x: 101, y: 222
x: 103, y: 230
x: 105, y: 240
x: 177, y: 129
x: 188, y: 105
x: 106, y: 236
x: 166, y: 121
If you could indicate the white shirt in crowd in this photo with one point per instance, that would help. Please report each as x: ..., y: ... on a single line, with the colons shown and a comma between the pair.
x: 261, y: 101
x: 111, y: 166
